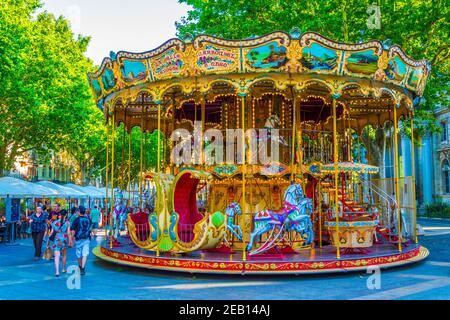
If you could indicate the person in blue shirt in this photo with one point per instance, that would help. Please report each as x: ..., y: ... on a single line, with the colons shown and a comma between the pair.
x: 81, y: 230
x: 39, y: 221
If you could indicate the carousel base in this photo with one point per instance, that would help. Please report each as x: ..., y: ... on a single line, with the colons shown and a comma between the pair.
x: 306, y: 261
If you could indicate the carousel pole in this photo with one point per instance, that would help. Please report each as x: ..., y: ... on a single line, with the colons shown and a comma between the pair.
x: 172, y: 167
x: 413, y: 173
x: 300, y: 146
x: 141, y: 162
x: 336, y: 176
x: 244, y: 168
x: 397, y: 186
x: 112, y: 180
x: 129, y: 170
x: 319, y: 201
x: 294, y: 132
x: 203, y: 117
x: 107, y: 204
x: 158, y: 164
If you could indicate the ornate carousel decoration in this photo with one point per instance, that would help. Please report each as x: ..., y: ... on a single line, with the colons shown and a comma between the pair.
x: 320, y: 206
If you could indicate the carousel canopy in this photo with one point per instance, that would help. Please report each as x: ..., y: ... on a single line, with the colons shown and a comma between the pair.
x: 367, y: 79
x: 16, y: 188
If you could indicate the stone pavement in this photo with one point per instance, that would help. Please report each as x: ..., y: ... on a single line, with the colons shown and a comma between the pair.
x: 22, y: 278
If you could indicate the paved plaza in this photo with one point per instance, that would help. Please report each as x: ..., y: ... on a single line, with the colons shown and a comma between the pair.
x: 22, y: 278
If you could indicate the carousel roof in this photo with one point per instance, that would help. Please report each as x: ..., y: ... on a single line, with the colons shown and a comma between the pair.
x: 367, y: 77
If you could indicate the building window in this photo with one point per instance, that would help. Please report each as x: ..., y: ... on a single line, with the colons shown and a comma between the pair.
x: 446, y: 176
x: 444, y: 131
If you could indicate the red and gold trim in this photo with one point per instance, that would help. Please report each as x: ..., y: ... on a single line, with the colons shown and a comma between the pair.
x: 260, y: 267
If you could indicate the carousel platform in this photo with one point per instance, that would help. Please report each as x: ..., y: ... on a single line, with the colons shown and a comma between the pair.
x: 307, y: 261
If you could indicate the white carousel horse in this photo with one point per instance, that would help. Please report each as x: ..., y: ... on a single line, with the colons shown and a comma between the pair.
x: 273, y: 122
x: 234, y: 209
x: 295, y: 216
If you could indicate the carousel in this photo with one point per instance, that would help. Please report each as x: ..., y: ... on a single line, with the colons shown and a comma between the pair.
x: 261, y: 163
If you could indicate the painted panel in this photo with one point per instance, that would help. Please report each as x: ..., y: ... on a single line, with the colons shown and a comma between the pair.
x: 167, y: 65
x: 108, y: 79
x: 365, y: 62
x: 396, y: 69
x: 268, y: 56
x: 133, y: 70
x: 216, y: 59
x: 317, y: 57
x: 414, y: 77
x: 97, y: 89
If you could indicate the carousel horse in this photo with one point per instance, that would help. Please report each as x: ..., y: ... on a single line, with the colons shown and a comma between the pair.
x: 234, y: 209
x: 273, y: 122
x: 295, y: 216
x: 120, y: 214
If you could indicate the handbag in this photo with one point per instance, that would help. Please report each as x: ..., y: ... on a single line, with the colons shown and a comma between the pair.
x: 48, y: 254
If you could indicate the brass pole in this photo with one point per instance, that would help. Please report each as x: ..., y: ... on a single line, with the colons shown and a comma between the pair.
x: 320, y: 212
x: 203, y: 116
x: 141, y: 158
x: 294, y: 132
x: 158, y: 166
x: 112, y: 179
x: 107, y: 203
x: 413, y: 176
x: 244, y: 168
x: 172, y: 167
x: 129, y: 169
x: 397, y: 186
x: 336, y: 174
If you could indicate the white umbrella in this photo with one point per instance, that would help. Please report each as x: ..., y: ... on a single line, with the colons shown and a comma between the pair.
x: 16, y: 188
x: 94, y: 192
x: 62, y: 191
x: 83, y: 193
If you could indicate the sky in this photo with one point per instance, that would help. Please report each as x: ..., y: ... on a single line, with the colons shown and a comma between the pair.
x: 115, y: 25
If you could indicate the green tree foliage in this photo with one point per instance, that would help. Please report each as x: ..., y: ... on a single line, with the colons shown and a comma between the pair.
x: 121, y: 146
x: 45, y: 98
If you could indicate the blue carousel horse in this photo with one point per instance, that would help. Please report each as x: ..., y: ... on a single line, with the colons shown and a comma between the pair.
x: 234, y: 209
x: 295, y: 216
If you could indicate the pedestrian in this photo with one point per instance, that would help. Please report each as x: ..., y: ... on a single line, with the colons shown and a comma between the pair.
x: 81, y: 231
x: 55, y: 212
x: 72, y: 215
x: 95, y: 219
x: 60, y: 239
x: 39, y: 221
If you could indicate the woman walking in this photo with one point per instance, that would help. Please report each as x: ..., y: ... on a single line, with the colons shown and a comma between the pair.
x: 60, y: 240
x: 38, y: 227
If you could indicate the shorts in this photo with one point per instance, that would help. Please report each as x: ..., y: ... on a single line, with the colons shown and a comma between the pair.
x: 94, y: 225
x: 82, y: 248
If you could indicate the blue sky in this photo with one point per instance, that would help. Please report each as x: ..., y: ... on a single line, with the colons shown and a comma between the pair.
x: 114, y: 25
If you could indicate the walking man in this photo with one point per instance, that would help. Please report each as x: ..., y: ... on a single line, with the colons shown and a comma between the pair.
x: 81, y: 230
x: 38, y: 227
x: 95, y: 218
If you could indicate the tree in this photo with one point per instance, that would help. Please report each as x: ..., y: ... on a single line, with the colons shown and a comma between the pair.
x: 45, y: 99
